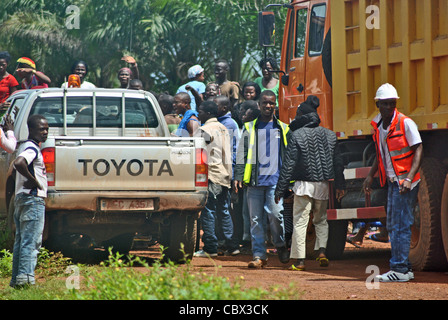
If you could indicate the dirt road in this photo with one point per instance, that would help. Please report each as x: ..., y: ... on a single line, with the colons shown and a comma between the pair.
x: 345, y: 279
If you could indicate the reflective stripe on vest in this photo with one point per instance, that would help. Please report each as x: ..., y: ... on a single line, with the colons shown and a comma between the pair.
x: 399, y: 150
x: 250, y: 127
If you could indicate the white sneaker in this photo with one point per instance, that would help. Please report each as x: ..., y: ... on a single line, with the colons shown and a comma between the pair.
x: 394, y: 276
x: 203, y: 254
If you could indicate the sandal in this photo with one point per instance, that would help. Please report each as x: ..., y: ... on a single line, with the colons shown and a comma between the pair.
x: 323, y: 261
x: 300, y: 266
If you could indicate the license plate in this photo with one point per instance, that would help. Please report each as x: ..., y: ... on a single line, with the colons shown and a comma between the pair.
x: 127, y: 204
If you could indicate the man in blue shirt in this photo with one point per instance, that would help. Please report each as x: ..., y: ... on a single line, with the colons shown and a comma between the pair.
x: 258, y: 163
x: 196, y: 76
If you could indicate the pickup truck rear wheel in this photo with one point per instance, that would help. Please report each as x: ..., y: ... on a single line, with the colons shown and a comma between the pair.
x: 181, y: 232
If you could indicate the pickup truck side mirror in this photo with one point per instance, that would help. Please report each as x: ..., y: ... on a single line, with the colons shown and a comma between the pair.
x: 266, y: 28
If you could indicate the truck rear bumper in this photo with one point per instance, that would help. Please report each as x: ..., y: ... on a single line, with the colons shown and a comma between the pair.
x: 91, y: 200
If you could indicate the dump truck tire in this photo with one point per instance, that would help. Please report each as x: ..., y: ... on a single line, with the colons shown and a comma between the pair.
x: 444, y: 217
x: 426, y: 252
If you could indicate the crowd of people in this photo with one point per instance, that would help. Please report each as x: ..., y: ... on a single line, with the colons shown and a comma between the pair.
x: 253, y: 157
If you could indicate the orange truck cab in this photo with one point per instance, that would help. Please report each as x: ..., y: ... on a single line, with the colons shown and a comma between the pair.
x: 342, y: 52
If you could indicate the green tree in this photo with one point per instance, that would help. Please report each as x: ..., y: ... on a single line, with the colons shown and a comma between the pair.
x: 165, y: 36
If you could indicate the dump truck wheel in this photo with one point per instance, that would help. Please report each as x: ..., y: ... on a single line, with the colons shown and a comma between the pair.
x: 426, y: 252
x: 444, y: 217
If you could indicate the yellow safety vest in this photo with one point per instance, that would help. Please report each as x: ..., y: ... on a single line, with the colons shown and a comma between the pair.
x: 250, y: 127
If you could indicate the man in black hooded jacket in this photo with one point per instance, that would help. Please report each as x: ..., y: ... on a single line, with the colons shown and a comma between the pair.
x: 311, y: 160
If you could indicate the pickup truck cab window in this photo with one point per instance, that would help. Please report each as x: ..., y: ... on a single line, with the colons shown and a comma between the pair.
x: 138, y: 113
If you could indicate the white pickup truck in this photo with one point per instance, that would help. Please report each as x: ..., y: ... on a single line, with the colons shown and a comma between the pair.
x: 113, y: 171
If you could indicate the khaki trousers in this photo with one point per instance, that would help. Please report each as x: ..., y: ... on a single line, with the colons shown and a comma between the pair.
x: 303, y: 206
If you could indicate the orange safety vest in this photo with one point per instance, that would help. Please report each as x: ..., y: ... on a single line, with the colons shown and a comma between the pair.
x: 398, y: 148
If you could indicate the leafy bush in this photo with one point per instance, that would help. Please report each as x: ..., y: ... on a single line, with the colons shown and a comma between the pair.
x: 116, y: 281
x: 5, y: 263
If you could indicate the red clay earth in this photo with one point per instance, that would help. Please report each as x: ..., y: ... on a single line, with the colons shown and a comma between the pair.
x: 345, y: 279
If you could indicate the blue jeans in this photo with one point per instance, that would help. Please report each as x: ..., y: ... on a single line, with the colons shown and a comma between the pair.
x: 216, y: 213
x: 246, y: 217
x: 262, y: 208
x: 400, y: 218
x: 29, y: 215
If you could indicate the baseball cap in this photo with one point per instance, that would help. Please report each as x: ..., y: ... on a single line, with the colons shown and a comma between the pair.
x: 194, y: 71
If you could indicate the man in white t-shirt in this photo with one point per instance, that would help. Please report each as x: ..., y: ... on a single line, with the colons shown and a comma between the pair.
x: 399, y: 153
x: 29, y: 203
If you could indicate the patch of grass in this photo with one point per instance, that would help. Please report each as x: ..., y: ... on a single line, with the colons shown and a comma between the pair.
x: 119, y: 279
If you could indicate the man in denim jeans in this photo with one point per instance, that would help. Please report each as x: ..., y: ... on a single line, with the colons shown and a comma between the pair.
x: 215, y: 219
x: 29, y: 203
x: 259, y: 158
x: 399, y: 153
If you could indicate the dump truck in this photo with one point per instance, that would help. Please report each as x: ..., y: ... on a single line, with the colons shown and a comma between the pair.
x: 342, y: 51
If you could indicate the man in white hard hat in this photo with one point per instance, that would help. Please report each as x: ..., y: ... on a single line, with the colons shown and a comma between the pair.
x: 399, y: 153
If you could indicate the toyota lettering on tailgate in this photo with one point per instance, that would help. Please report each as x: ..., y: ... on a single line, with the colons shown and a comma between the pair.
x: 133, y: 167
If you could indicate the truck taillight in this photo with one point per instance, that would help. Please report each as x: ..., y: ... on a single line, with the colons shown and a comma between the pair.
x: 201, y: 169
x: 49, y: 159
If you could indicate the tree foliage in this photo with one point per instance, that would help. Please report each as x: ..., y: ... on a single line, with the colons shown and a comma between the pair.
x: 165, y: 36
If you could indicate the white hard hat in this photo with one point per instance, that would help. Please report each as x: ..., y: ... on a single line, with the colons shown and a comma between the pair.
x: 386, y: 91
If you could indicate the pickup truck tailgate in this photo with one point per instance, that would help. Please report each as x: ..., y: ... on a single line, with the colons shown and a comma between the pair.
x: 131, y: 164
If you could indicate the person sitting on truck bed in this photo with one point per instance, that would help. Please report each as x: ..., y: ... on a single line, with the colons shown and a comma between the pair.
x: 216, y: 215
x: 190, y: 122
x: 172, y: 119
x: 31, y: 79
x: 196, y: 77
x: 399, y: 153
x: 81, y: 69
x: 126, y: 74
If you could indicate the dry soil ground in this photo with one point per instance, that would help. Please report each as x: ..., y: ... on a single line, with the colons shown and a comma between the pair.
x: 345, y: 279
